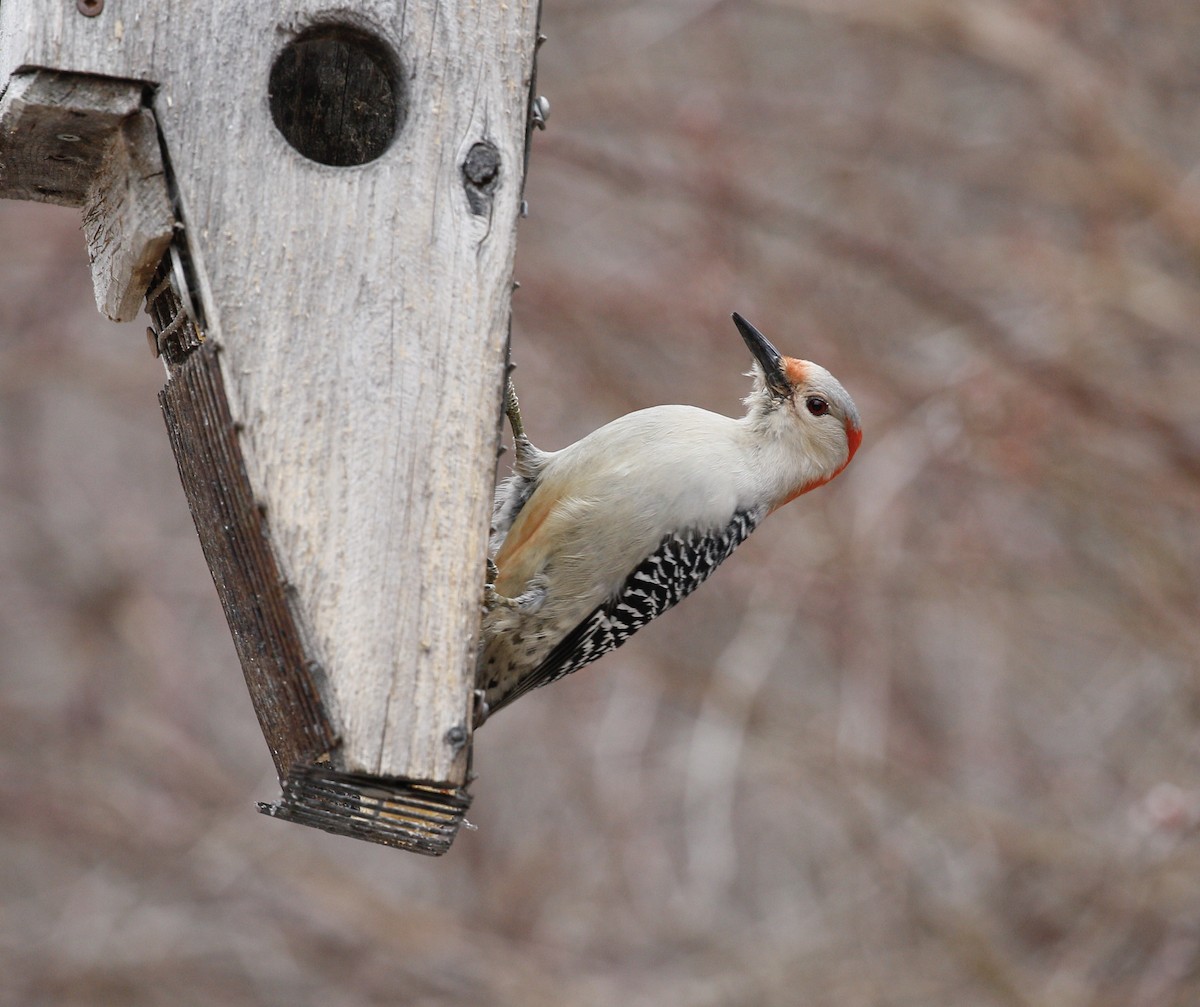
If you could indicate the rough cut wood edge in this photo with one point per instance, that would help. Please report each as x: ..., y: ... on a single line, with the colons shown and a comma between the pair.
x: 55, y: 131
x: 233, y: 534
x: 78, y: 140
x: 127, y: 218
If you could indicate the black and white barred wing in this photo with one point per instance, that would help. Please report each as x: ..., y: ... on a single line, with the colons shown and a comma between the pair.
x: 680, y: 564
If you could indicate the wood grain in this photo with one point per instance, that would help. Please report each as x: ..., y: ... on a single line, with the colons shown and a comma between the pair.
x: 127, y: 218
x: 87, y: 141
x: 359, y: 317
x: 283, y: 682
x: 55, y: 132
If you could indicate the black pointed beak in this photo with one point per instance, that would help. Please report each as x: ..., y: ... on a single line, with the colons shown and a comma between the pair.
x: 769, y: 358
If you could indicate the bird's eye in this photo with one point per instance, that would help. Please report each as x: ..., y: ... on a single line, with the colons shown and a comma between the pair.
x: 816, y: 405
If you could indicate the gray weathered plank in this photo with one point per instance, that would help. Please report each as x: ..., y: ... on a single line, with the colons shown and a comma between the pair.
x: 55, y: 131
x: 237, y: 546
x: 87, y: 141
x: 127, y: 218
x: 361, y: 315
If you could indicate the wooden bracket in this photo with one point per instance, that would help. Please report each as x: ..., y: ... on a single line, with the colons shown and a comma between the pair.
x: 343, y: 185
x: 86, y: 141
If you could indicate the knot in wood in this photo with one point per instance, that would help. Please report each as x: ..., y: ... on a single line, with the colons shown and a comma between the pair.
x: 481, y: 175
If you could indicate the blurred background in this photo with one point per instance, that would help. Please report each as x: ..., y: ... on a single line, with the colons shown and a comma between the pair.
x: 930, y: 737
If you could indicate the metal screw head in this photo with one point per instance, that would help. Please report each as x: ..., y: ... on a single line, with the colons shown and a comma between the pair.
x: 89, y: 8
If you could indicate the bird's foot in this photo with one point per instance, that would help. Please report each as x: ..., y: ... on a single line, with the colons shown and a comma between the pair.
x: 493, y: 600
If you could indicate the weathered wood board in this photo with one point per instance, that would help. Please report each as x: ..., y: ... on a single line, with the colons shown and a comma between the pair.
x: 82, y: 141
x: 358, y: 318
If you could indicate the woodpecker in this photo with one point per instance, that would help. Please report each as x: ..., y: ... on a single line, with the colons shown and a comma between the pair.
x: 592, y: 542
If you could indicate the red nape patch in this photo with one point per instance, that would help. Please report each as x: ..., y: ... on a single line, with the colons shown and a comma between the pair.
x: 853, y: 441
x: 796, y: 370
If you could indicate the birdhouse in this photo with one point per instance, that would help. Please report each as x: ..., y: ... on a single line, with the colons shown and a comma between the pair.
x: 317, y: 205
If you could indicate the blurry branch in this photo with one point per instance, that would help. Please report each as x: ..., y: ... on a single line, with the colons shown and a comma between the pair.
x: 1070, y: 85
x: 200, y: 836
x: 905, y: 828
x: 965, y: 935
x: 928, y: 282
x: 1159, y: 604
x: 775, y: 748
x: 720, y: 735
x: 863, y: 796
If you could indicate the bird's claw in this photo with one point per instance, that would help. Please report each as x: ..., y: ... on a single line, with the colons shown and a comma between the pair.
x: 480, y: 711
x: 512, y: 409
x: 493, y: 600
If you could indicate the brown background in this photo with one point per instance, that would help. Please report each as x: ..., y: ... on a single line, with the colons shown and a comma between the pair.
x: 929, y: 738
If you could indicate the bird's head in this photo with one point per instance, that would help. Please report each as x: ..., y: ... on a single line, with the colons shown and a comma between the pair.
x: 804, y: 408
